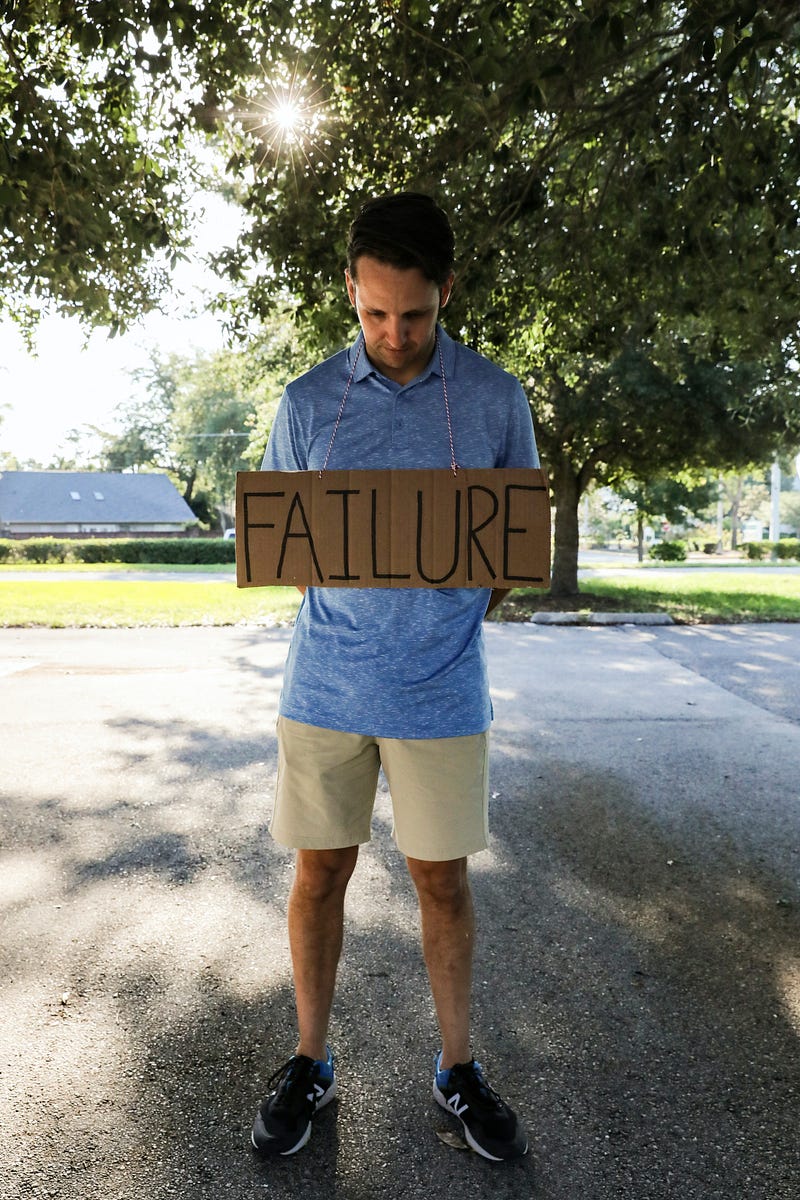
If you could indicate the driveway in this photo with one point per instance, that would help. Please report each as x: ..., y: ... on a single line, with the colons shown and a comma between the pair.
x: 637, y: 989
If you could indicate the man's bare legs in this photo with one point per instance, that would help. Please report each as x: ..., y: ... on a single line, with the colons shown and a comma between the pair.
x: 316, y: 917
x: 448, y: 935
x: 316, y: 912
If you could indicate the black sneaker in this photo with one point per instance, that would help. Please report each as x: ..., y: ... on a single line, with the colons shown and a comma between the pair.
x: 490, y: 1126
x: 298, y: 1089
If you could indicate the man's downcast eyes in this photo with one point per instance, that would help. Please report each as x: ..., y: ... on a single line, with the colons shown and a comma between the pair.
x: 409, y: 316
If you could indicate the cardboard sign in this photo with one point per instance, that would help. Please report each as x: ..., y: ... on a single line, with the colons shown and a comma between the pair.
x: 426, y: 528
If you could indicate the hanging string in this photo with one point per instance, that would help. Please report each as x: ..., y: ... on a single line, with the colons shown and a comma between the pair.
x: 453, y: 463
x: 357, y: 356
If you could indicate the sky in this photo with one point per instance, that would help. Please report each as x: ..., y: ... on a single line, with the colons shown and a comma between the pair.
x: 77, y: 379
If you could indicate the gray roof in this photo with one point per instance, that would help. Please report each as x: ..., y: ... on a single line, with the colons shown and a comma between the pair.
x: 102, y: 496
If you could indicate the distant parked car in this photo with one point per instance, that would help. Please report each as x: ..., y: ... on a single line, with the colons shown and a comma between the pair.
x: 229, y: 534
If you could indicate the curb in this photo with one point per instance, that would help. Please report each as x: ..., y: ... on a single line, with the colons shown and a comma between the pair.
x: 600, y: 618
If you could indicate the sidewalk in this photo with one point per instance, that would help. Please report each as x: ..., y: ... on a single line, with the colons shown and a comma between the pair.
x: 637, y: 991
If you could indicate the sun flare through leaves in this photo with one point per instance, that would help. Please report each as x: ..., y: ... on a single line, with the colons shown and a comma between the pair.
x: 287, y: 122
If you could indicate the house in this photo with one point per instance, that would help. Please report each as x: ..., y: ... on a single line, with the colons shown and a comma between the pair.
x: 91, y: 504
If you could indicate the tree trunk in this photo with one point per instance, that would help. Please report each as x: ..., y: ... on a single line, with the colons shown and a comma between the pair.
x: 566, y: 495
x: 188, y: 490
x: 640, y: 536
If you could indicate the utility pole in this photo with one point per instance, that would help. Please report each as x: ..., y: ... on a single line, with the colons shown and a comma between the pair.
x: 775, y: 508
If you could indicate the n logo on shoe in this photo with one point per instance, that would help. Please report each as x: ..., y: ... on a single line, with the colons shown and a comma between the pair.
x: 454, y: 1102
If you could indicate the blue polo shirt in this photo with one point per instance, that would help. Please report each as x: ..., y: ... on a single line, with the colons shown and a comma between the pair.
x: 396, y: 662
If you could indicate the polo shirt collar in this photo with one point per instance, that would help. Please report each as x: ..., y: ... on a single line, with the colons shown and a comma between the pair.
x: 364, y: 367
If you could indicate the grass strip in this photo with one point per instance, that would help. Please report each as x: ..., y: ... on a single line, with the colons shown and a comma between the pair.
x: 82, y: 603
x: 733, y: 598
x: 224, y: 570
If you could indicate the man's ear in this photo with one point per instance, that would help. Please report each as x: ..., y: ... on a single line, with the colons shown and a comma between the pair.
x: 446, y: 290
x: 351, y: 286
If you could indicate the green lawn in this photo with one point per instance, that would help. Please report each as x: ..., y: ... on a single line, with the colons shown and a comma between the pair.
x: 696, y: 597
x: 59, y: 603
x: 692, y: 598
x: 225, y: 570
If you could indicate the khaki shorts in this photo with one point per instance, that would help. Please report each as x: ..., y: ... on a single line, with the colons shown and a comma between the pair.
x: 327, y: 782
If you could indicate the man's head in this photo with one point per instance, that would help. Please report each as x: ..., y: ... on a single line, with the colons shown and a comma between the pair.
x: 404, y: 230
x: 399, y: 274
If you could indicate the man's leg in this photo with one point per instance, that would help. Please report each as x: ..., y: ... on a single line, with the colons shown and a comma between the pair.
x: 448, y: 935
x: 316, y: 921
x: 448, y: 932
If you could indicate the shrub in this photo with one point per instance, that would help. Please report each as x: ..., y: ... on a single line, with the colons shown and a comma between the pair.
x: 94, y: 552
x: 756, y: 550
x: 710, y: 547
x: 787, y: 548
x: 7, y: 548
x: 669, y: 551
x: 186, y: 551
x: 43, y: 550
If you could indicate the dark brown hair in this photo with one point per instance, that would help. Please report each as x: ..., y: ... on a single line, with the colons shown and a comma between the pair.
x: 405, y: 230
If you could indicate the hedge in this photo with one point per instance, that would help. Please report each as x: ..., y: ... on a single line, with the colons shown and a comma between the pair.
x: 183, y: 551
x: 785, y: 549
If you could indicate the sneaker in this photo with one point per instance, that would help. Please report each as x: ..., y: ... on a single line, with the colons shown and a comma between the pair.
x: 298, y: 1089
x: 490, y: 1126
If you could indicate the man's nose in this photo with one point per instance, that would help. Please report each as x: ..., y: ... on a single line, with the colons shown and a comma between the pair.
x: 396, y: 332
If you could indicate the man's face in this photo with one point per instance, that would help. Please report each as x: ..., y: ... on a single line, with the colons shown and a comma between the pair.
x: 397, y: 310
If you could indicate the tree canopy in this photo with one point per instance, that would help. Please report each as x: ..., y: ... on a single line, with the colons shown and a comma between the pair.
x: 622, y: 175
x: 101, y: 102
x: 622, y: 178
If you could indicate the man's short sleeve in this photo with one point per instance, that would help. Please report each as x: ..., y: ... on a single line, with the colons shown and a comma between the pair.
x: 520, y: 443
x: 284, y: 452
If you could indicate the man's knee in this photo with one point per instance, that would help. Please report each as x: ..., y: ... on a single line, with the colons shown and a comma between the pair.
x: 320, y: 874
x: 443, y: 884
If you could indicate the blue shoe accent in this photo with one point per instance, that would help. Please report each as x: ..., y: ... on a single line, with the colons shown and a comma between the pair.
x: 442, y: 1077
x: 326, y: 1065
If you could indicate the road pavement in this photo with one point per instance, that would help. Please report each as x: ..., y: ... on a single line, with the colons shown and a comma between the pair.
x: 637, y: 990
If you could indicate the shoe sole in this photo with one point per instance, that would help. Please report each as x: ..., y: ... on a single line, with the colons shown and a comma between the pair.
x: 441, y: 1100
x: 326, y: 1099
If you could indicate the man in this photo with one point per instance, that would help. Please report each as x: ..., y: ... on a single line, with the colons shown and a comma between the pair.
x: 390, y: 677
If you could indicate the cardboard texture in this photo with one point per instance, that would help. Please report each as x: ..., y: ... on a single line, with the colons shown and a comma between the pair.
x: 477, y: 528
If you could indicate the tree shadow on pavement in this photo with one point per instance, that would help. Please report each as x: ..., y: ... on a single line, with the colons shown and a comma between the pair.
x: 147, y: 996
x: 636, y: 989
x: 659, y: 995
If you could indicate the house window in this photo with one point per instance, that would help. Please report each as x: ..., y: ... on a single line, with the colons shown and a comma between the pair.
x: 75, y: 495
x: 99, y: 496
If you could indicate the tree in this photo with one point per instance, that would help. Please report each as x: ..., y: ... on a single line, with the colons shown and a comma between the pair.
x: 190, y: 422
x: 205, y: 417
x: 623, y: 182
x: 672, y: 500
x: 101, y: 102
x: 622, y: 174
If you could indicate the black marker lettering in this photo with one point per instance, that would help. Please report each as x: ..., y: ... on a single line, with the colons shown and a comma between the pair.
x: 474, y: 529
x: 509, y: 529
x: 248, y: 525
x: 345, y: 493
x: 376, y: 574
x: 297, y: 503
x: 456, y: 542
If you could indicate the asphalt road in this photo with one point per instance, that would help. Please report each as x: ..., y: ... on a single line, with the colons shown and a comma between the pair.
x: 637, y: 991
